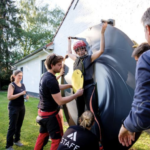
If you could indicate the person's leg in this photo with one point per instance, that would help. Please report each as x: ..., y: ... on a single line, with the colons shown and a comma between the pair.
x: 19, y: 124
x: 92, y: 105
x: 80, y: 106
x: 13, y: 117
x: 55, y: 130
x: 42, y: 138
x: 61, y: 116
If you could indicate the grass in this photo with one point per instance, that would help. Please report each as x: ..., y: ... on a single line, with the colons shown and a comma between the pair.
x: 30, y: 129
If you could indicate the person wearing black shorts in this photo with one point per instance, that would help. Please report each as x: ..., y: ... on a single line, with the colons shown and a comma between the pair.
x: 80, y: 137
x: 50, y: 99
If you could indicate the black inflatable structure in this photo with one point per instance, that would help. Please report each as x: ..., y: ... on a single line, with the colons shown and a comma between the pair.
x: 114, y: 74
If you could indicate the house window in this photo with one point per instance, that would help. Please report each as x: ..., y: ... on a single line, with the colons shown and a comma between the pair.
x: 22, y: 73
x: 76, y: 4
x: 43, y: 66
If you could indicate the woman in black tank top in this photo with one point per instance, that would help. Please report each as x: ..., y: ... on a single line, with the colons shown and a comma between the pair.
x: 16, y: 92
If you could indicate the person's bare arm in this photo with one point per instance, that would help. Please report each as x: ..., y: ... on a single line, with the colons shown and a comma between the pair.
x: 102, y: 44
x: 63, y: 100
x: 10, y: 95
x: 72, y: 56
x: 65, y: 86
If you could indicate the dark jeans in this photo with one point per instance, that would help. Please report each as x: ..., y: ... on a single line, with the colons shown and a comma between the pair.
x: 16, y: 117
x: 90, y: 100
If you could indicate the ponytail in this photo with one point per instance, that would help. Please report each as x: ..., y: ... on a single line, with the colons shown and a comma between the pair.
x: 87, y: 119
x: 12, y: 79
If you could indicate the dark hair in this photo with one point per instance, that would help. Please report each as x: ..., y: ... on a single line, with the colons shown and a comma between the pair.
x: 140, y: 49
x: 87, y: 119
x: 12, y: 79
x: 52, y: 60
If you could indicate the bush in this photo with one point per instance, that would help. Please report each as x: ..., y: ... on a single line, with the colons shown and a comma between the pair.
x: 5, y: 87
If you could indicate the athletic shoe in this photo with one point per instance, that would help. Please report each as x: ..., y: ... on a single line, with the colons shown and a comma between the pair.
x: 18, y: 143
x: 9, y: 148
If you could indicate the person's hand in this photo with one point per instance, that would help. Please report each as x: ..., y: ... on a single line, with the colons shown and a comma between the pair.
x: 79, y: 92
x: 126, y: 137
x: 66, y: 56
x: 23, y: 92
x: 70, y: 86
x: 62, y: 72
x: 27, y: 96
x: 104, y: 26
x: 69, y: 38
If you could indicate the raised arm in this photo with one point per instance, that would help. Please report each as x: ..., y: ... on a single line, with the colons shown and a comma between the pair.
x: 72, y: 56
x: 10, y: 95
x: 102, y: 44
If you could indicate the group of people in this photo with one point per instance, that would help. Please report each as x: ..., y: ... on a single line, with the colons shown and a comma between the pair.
x: 80, y: 136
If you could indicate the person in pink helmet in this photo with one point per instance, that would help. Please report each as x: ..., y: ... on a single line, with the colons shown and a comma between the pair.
x: 84, y: 62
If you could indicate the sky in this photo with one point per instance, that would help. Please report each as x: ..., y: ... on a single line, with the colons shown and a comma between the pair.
x: 63, y: 4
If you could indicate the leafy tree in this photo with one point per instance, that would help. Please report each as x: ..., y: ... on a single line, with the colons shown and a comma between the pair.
x: 39, y: 24
x: 24, y: 30
x: 10, y: 29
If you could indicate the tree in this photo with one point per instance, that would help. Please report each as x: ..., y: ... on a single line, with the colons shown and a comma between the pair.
x: 24, y: 30
x: 10, y: 29
x: 39, y: 24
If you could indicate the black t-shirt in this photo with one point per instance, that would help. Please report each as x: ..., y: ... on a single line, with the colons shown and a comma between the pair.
x: 19, y: 102
x: 78, y: 138
x: 48, y: 86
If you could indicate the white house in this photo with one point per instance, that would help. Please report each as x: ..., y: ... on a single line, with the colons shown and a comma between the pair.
x: 81, y: 15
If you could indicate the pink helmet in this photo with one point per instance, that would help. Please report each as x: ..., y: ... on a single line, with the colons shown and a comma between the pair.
x: 79, y: 44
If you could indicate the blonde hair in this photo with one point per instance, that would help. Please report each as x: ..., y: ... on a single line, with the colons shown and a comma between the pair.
x: 87, y: 119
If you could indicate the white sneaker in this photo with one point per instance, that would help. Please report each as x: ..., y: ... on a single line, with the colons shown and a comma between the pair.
x: 18, y: 143
x: 9, y: 148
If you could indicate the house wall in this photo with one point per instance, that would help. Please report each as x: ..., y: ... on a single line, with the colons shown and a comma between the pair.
x: 87, y: 13
x: 32, y: 71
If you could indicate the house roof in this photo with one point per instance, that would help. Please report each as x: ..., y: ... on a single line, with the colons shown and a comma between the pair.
x: 35, y: 52
x: 49, y: 44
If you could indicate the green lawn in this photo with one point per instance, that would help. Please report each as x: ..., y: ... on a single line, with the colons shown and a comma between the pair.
x: 30, y: 129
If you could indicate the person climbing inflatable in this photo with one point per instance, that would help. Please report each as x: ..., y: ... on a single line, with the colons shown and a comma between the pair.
x: 84, y: 63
